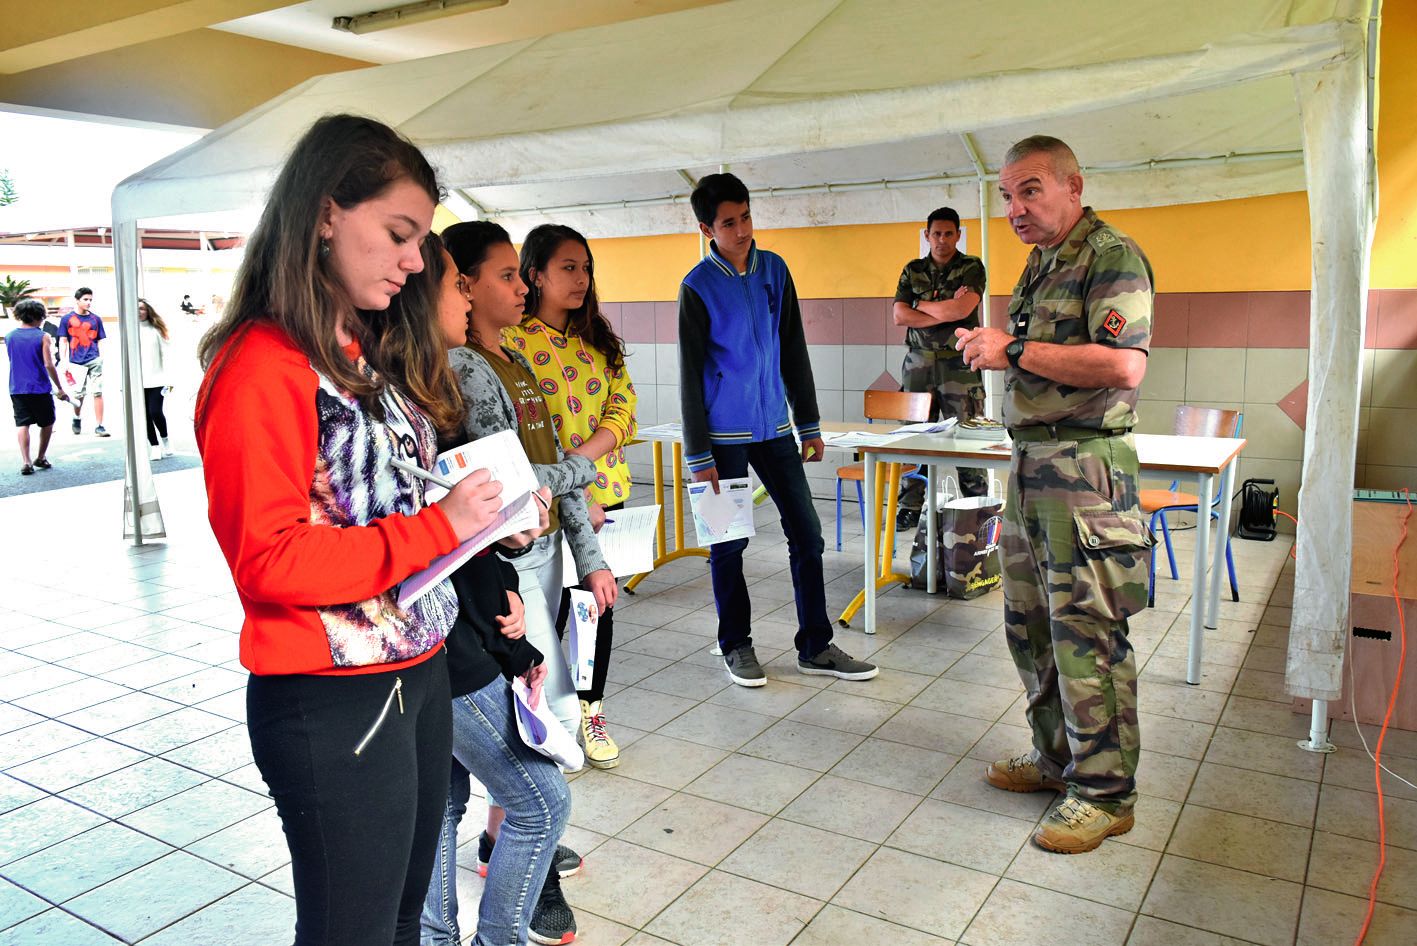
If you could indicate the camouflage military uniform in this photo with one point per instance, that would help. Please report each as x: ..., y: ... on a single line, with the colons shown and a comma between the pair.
x: 934, y: 364
x: 1075, y: 543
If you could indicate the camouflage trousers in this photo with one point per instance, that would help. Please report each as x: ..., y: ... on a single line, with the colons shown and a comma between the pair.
x: 1075, y: 568
x: 959, y: 393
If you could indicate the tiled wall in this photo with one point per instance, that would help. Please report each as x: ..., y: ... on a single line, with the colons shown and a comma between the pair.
x: 1239, y: 349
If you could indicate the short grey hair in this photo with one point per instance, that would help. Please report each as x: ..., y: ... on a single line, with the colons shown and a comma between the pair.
x: 1065, y: 163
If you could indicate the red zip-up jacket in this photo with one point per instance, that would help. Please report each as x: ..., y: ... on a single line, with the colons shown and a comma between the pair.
x: 316, y: 526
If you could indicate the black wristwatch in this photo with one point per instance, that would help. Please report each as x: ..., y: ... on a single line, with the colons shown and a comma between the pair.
x: 1014, y: 351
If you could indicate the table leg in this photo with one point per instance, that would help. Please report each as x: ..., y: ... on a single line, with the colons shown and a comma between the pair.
x: 892, y: 507
x: 660, y: 537
x: 1217, y: 556
x: 678, y: 457
x: 873, y: 528
x: 1205, y: 488
x: 931, y: 532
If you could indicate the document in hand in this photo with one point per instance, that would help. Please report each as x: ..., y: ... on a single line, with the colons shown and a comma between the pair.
x: 626, y: 544
x: 501, y: 455
x: 585, y: 620
x: 725, y: 515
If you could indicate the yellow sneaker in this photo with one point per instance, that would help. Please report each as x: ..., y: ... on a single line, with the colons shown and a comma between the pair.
x: 600, y: 750
x: 1076, y: 826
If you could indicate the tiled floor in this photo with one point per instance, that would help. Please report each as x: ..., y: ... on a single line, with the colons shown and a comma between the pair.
x: 801, y: 813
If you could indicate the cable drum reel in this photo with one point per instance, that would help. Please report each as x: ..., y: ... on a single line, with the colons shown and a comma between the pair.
x: 1257, y: 506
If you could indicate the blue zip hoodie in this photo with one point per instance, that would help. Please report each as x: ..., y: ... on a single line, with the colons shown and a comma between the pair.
x: 742, y: 356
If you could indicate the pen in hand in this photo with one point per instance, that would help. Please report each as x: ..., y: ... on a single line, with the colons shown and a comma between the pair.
x: 418, y: 471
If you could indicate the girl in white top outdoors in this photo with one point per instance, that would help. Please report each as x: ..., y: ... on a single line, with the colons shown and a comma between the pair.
x: 153, y: 342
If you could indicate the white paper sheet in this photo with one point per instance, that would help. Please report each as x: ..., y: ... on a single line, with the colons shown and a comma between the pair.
x: 725, y: 515
x: 626, y: 544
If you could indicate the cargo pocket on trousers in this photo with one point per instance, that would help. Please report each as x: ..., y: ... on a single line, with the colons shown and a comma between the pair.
x: 1110, y: 571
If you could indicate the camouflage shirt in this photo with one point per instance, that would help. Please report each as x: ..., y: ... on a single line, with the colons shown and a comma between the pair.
x: 1098, y: 289
x: 923, y: 281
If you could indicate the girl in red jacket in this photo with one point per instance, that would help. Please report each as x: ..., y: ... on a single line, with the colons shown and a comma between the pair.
x: 326, y: 365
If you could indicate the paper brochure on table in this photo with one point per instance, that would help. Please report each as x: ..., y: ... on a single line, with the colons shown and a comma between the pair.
x: 502, y: 455
x: 861, y: 438
x: 928, y: 427
x: 725, y: 515
x: 626, y: 544
x: 660, y: 431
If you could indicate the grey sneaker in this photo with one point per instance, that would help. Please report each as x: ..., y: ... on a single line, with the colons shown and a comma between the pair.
x: 835, y: 662
x: 743, y: 667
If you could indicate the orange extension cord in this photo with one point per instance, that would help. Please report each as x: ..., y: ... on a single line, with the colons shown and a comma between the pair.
x: 1382, y: 733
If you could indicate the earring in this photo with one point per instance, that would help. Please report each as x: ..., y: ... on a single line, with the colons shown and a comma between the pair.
x: 324, y: 250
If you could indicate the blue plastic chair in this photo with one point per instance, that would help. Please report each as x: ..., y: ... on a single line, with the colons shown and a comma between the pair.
x: 1189, y: 422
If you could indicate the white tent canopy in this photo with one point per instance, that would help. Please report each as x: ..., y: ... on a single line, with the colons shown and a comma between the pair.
x: 861, y: 111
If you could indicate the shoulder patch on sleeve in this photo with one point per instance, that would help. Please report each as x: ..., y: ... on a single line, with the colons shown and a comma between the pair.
x: 1114, y: 323
x: 1103, y: 238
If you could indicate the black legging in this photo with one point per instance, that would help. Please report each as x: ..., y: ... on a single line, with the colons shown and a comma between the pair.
x: 157, y: 420
x: 362, y: 829
x: 604, y: 638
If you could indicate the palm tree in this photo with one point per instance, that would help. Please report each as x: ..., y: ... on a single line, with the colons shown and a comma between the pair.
x: 12, y: 290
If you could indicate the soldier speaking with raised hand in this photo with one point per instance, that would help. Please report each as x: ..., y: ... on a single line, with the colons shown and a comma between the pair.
x: 937, y: 294
x: 1075, y: 544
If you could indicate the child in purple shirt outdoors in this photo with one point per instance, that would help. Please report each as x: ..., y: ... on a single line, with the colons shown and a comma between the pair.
x: 31, y: 375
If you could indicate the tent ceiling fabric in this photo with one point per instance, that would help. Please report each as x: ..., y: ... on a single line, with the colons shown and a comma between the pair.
x: 611, y: 113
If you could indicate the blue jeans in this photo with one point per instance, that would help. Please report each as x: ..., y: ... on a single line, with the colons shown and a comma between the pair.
x: 778, y: 464
x: 538, y: 804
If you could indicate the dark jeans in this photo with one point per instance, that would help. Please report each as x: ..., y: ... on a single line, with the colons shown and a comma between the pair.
x: 362, y: 829
x: 778, y: 464
x: 157, y: 420
x: 604, y: 638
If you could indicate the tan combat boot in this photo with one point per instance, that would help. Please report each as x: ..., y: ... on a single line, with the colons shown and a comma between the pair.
x: 1021, y: 774
x: 600, y: 750
x: 1076, y: 826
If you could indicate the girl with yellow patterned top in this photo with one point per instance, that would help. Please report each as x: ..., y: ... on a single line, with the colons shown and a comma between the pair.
x: 579, y: 364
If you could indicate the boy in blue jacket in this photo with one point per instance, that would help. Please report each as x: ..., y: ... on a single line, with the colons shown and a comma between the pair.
x: 742, y: 363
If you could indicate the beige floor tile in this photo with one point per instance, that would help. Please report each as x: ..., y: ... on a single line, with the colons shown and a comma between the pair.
x: 917, y: 892
x: 837, y: 927
x: 800, y: 858
x: 1346, y: 865
x: 896, y: 686
x: 631, y: 884
x: 723, y: 727
x: 1265, y: 716
x: 1261, y: 685
x: 965, y: 785
x: 775, y: 699
x: 1155, y: 819
x: 1164, y: 776
x: 966, y: 699
x: 930, y: 729
x: 1003, y: 740
x: 1114, y: 874
x: 1172, y: 670
x: 671, y: 763
x: 1240, y: 841
x: 1172, y: 736
x: 645, y: 709
x: 1015, y: 914
x: 1355, y: 814
x: 1149, y: 931
x: 1263, y: 752
x: 693, y: 828
x: 592, y: 930
x: 892, y: 765
x: 645, y: 939
x: 916, y: 656
x: 1183, y: 702
x: 852, y: 808
x: 968, y: 837
x: 756, y: 784
x: 835, y: 709
x: 1236, y: 903
x: 1290, y: 800
x: 1330, y: 918
x: 946, y: 636
x: 683, y: 679
x: 1353, y: 769
x: 722, y: 909
x: 609, y: 803
x: 987, y: 670
x: 1398, y: 742
x: 811, y: 747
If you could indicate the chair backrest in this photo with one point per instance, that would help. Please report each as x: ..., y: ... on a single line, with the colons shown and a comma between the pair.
x: 898, y: 405
x: 1206, y: 422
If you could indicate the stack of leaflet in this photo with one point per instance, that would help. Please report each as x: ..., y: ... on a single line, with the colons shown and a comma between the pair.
x: 980, y: 428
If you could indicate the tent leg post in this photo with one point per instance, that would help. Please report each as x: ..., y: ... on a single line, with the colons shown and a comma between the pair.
x: 1318, y: 730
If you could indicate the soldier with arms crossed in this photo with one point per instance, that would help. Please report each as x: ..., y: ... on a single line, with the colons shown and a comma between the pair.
x: 1075, y: 544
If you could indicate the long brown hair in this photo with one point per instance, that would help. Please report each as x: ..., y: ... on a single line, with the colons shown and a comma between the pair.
x: 284, y: 282
x: 154, y: 318
x: 585, y: 321
x: 416, y: 355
